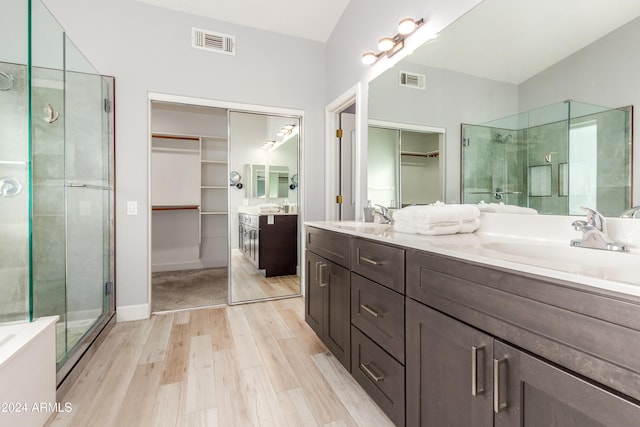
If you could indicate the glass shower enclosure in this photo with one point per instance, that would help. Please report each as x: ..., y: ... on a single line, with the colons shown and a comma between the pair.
x: 56, y: 181
x: 554, y: 159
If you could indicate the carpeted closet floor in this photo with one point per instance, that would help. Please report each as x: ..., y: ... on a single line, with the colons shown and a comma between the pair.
x: 177, y: 290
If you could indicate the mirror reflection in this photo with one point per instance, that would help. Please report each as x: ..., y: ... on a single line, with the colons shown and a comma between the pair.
x: 553, y: 159
x: 493, y: 63
x: 264, y: 213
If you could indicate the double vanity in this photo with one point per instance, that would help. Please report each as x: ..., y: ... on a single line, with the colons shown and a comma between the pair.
x: 481, y: 329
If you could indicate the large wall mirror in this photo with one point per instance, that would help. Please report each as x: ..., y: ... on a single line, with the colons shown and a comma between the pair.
x: 263, y: 206
x: 498, y: 61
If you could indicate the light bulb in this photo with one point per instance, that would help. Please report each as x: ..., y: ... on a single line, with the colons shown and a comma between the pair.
x: 407, y: 26
x: 385, y: 44
x: 369, y: 58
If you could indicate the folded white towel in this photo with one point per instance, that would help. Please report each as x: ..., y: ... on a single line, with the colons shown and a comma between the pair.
x: 437, y: 219
x: 502, y: 208
x: 437, y: 213
x: 268, y: 208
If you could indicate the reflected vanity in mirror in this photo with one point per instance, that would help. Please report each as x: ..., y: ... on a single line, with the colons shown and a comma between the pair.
x: 492, y: 63
x: 263, y: 215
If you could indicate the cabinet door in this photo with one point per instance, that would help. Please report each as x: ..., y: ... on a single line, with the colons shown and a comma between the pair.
x: 448, y: 365
x: 314, y: 298
x: 337, y: 328
x: 533, y: 393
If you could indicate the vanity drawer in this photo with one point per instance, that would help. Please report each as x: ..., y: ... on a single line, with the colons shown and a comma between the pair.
x: 379, y: 374
x: 381, y: 263
x: 328, y: 244
x: 247, y: 219
x: 378, y: 312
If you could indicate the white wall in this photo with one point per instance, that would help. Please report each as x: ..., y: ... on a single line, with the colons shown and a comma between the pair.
x: 148, y: 49
x: 604, y: 73
x: 364, y: 22
x: 449, y: 99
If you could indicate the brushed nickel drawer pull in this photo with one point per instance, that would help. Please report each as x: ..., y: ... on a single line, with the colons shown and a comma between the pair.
x: 371, y: 311
x: 367, y: 260
x: 475, y: 390
x: 366, y: 367
x: 323, y: 276
x: 497, y: 404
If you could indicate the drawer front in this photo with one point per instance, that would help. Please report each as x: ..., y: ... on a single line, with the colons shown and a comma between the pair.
x: 381, y: 263
x: 379, y: 374
x: 247, y: 219
x: 328, y: 244
x: 379, y: 313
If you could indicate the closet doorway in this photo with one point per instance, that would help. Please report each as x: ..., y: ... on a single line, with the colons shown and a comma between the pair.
x: 225, y: 197
x: 189, y: 206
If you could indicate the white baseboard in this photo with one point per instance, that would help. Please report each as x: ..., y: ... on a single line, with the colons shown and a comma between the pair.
x: 189, y: 265
x: 128, y: 313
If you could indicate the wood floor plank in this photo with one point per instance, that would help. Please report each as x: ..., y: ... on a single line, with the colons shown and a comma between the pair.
x: 323, y: 401
x: 231, y: 398
x: 156, y: 345
x: 362, y: 408
x: 221, y: 337
x: 165, y: 409
x: 275, y: 362
x: 263, y: 398
x: 135, y: 411
x: 201, y: 393
x: 244, y: 342
x: 296, y: 409
x: 176, y: 360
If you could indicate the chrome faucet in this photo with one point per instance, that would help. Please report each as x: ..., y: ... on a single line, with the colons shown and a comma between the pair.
x: 384, y: 214
x: 594, y: 233
x: 634, y: 212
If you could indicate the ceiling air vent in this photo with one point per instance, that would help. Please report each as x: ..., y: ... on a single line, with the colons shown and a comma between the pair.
x: 412, y: 80
x: 214, y: 42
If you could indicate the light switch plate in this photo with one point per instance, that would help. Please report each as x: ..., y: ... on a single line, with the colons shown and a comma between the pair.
x: 132, y: 207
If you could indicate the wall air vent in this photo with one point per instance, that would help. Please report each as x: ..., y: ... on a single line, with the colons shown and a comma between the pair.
x: 213, y: 42
x: 413, y: 80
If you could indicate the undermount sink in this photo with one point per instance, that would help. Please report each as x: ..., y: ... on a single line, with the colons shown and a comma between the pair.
x: 601, y: 264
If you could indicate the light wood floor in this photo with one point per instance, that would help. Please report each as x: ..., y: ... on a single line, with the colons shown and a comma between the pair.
x: 249, y: 284
x: 248, y: 365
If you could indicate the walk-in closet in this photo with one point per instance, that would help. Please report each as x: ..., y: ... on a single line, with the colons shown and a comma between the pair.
x: 189, y: 186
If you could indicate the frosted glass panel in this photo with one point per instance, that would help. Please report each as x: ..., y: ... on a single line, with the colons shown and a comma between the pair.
x: 540, y: 181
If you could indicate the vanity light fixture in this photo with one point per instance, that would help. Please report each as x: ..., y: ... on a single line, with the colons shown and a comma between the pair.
x: 389, y: 46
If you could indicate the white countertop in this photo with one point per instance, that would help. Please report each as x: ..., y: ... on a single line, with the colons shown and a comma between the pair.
x: 533, y: 244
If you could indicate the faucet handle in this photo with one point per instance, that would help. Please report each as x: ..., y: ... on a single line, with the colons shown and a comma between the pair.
x: 595, y: 218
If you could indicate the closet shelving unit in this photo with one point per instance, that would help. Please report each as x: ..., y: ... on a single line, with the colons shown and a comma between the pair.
x: 192, y: 174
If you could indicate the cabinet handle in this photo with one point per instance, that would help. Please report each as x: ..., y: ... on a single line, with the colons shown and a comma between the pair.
x: 367, y: 260
x: 371, y: 311
x: 366, y: 367
x: 497, y: 403
x: 318, y: 271
x: 475, y: 390
x: 323, y: 267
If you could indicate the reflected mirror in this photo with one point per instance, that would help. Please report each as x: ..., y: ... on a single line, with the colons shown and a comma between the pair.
x: 263, y: 215
x: 497, y: 61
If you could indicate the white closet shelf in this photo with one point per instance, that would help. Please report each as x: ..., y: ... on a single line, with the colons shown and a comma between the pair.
x: 219, y: 162
x: 214, y: 213
x: 174, y: 207
x: 214, y: 187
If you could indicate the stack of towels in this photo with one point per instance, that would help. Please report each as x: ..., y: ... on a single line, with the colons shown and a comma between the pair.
x: 436, y: 219
x: 268, y: 208
x: 507, y: 209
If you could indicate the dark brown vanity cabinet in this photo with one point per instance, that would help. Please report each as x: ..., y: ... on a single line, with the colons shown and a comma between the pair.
x: 269, y: 242
x: 377, y: 316
x: 466, y: 373
x: 450, y: 366
x: 328, y: 292
x: 465, y: 377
